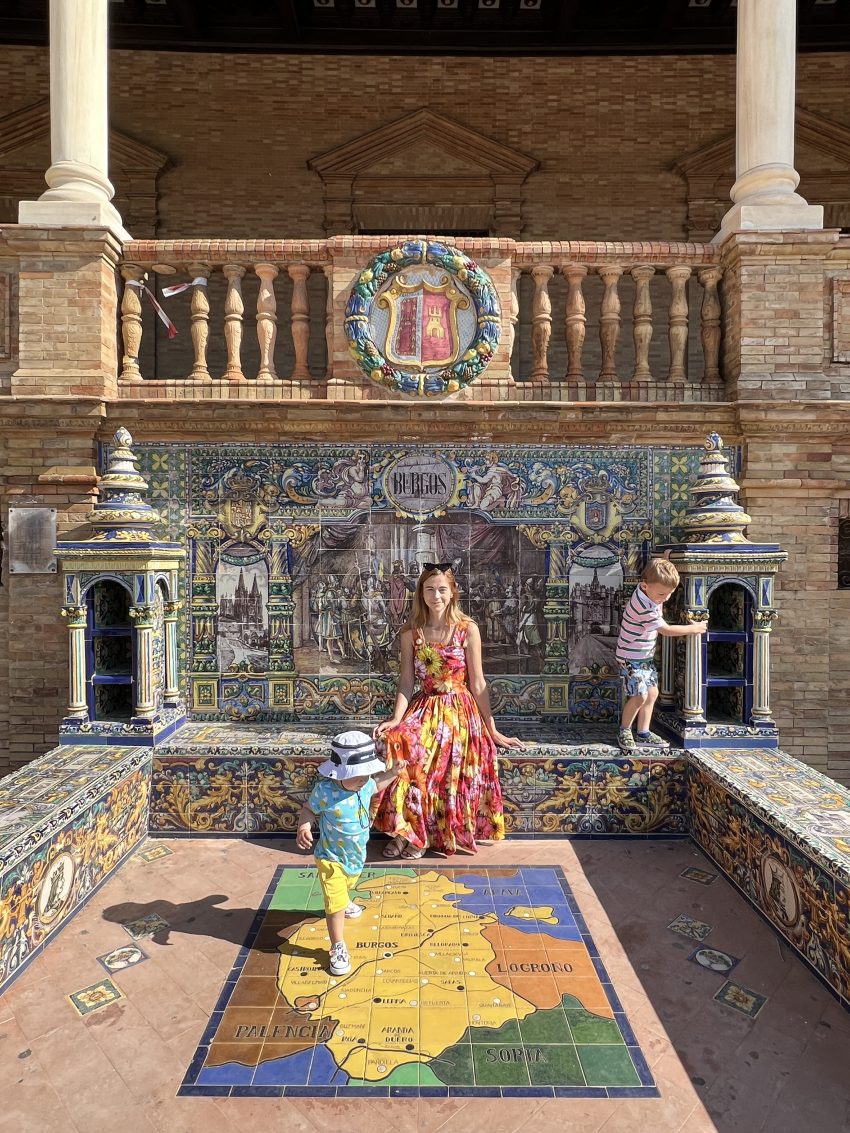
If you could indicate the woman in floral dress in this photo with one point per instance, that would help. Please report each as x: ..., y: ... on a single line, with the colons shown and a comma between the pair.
x: 443, y: 739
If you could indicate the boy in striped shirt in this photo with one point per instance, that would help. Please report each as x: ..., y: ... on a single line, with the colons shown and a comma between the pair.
x: 642, y: 622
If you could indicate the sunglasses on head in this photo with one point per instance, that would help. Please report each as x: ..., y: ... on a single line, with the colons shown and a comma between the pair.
x: 443, y: 567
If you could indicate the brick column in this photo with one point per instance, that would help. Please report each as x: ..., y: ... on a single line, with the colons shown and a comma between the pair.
x: 68, y: 306
x: 776, y: 287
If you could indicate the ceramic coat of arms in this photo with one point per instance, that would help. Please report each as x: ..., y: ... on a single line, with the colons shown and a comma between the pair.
x: 423, y: 319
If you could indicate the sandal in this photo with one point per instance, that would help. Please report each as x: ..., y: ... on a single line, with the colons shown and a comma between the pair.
x: 411, y: 851
x: 394, y: 847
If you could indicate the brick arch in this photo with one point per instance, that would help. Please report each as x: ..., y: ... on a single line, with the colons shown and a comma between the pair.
x: 423, y: 173
x: 134, y: 168
x: 822, y: 144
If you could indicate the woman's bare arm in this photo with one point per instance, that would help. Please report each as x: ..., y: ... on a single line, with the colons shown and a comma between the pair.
x: 406, y: 682
x: 478, y: 688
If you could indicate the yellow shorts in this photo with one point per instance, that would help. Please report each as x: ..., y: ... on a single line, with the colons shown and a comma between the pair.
x: 336, y: 885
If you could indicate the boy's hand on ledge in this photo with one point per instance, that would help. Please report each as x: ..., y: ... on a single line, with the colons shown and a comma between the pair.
x: 698, y: 627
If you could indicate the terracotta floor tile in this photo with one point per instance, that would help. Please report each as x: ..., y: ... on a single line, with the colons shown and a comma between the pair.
x: 17, y: 1062
x: 196, y: 1115
x: 142, y: 1059
x: 508, y: 1114
x: 578, y: 1115
x: 164, y: 1005
x: 34, y: 1106
x: 94, y: 1093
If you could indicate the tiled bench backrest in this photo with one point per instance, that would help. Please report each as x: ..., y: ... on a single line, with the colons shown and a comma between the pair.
x: 212, y: 780
x: 781, y: 832
x: 66, y: 822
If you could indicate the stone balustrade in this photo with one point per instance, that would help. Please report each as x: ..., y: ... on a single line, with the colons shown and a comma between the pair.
x: 582, y: 320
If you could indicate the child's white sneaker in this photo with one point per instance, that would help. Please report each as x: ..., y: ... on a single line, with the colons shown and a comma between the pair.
x: 353, y: 911
x: 340, y: 960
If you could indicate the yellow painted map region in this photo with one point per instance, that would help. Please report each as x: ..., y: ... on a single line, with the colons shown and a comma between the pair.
x: 419, y: 976
x: 543, y: 913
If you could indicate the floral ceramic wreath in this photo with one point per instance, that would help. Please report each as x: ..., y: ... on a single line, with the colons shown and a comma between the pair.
x: 423, y: 382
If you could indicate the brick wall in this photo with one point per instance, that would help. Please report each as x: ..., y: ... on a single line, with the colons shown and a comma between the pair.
x: 606, y: 131
x: 48, y: 461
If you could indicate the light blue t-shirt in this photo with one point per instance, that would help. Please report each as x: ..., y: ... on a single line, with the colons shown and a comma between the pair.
x: 343, y: 822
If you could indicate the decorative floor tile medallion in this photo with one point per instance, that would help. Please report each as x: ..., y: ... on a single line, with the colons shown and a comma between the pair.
x: 687, y: 926
x: 741, y: 999
x: 703, y: 876
x: 464, y: 981
x: 148, y: 925
x: 89, y: 998
x: 154, y: 852
x: 120, y: 958
x: 714, y: 960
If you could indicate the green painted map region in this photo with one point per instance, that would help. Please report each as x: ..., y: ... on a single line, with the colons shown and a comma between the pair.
x: 464, y: 980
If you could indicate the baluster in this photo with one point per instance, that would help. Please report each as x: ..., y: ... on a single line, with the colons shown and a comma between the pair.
x: 131, y: 321
x: 609, y: 321
x: 678, y: 275
x: 200, y: 329
x: 300, y: 313
x: 513, y: 319
x: 266, y: 321
x: 710, y: 318
x: 575, y: 322
x: 642, y: 330
x: 329, y: 322
x: 234, y: 309
x: 541, y: 322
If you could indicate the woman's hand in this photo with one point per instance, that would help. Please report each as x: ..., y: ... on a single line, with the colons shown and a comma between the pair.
x: 506, y: 741
x: 385, y: 726
x: 304, y: 838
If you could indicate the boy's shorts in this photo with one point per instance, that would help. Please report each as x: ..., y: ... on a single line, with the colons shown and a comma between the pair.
x: 336, y: 885
x: 638, y: 677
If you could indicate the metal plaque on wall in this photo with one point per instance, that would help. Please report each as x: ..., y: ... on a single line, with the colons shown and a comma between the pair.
x: 32, y: 540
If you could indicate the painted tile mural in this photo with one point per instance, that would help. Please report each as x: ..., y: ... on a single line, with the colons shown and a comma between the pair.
x: 302, y: 561
x: 464, y: 982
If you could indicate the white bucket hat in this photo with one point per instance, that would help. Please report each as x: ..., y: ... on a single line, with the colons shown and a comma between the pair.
x: 352, y: 754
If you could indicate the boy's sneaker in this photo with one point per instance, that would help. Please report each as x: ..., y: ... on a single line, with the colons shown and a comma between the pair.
x: 625, y: 740
x: 340, y: 960
x: 649, y: 739
x: 353, y: 911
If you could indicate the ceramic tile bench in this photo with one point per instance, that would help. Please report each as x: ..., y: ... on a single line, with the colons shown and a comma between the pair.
x: 781, y: 832
x: 67, y: 820
x: 252, y: 779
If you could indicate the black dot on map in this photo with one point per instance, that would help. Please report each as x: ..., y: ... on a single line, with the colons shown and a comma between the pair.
x: 460, y: 987
x: 377, y: 999
x: 409, y: 1046
x: 362, y: 1042
x: 465, y: 944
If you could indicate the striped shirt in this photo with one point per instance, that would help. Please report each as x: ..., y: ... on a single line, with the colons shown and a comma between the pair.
x: 639, y: 628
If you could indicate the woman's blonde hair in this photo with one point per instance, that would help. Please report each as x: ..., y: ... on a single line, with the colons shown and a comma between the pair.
x: 454, y: 615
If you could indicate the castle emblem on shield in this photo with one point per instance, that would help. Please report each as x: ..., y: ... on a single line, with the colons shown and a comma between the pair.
x: 423, y: 319
x: 423, y: 326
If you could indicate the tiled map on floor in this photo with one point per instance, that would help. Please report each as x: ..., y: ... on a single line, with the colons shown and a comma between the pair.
x: 464, y: 981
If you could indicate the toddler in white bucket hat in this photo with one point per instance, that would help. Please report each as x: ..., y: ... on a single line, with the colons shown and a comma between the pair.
x: 340, y: 801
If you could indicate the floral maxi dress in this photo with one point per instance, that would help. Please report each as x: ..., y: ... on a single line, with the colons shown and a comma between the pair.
x: 447, y: 793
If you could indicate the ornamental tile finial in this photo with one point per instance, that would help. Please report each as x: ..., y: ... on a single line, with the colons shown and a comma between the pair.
x: 122, y: 512
x: 714, y: 514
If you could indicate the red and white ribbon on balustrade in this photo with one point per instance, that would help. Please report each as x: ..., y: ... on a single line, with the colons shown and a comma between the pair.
x: 177, y: 288
x: 143, y: 289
